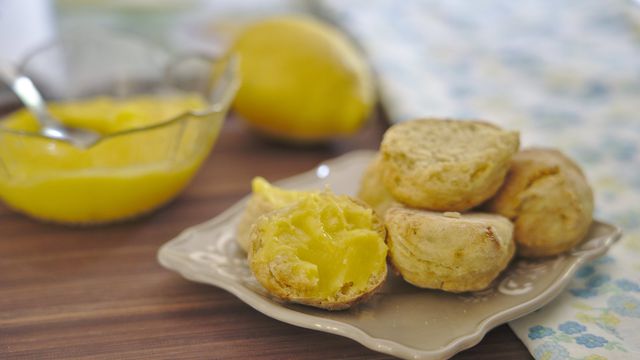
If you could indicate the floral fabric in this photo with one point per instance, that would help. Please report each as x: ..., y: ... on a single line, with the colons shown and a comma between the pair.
x: 567, y: 75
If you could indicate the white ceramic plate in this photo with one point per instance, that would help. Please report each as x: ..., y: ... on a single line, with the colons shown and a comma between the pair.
x: 400, y: 320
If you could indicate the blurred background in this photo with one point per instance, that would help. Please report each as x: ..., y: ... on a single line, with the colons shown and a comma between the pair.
x: 564, y: 73
x: 490, y: 58
x: 177, y: 24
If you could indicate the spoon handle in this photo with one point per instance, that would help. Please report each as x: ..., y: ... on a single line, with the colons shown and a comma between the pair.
x: 24, y: 88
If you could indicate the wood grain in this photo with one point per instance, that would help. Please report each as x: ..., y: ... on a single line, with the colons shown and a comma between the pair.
x: 99, y: 293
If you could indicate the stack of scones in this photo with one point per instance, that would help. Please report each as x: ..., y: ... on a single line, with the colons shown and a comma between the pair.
x: 459, y: 199
x: 447, y: 202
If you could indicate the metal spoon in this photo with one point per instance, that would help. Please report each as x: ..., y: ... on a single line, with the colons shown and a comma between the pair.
x: 50, y: 127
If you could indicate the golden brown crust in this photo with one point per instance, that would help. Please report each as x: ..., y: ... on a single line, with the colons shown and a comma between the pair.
x: 332, y: 305
x: 444, y: 164
x: 372, y: 190
x: 450, y: 253
x: 549, y: 199
x: 256, y: 206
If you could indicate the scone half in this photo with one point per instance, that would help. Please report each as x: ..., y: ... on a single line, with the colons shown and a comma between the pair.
x: 549, y: 200
x: 445, y: 165
x: 448, y: 251
x: 326, y: 251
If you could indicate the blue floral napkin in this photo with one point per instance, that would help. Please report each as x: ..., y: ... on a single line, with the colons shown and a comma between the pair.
x: 567, y: 75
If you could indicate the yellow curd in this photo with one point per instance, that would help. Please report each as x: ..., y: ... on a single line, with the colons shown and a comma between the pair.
x: 127, y: 174
x: 324, y: 247
x: 264, y: 198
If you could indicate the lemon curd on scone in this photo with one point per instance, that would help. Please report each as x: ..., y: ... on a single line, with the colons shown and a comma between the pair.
x: 264, y: 198
x: 142, y: 162
x: 325, y: 250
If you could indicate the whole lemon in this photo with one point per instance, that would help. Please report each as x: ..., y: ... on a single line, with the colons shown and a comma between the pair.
x: 302, y: 80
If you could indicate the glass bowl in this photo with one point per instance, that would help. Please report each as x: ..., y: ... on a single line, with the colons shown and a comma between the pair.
x: 127, y: 173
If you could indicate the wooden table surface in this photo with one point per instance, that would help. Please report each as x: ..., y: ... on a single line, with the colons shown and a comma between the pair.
x: 99, y: 293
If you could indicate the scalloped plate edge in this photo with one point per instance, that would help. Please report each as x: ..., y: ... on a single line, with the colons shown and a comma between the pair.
x: 177, y: 261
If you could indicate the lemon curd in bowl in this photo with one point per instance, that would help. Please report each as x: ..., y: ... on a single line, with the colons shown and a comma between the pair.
x: 152, y: 147
x: 159, y: 117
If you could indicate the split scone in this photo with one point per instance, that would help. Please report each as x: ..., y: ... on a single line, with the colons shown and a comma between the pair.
x: 549, y: 200
x: 448, y: 251
x: 325, y: 250
x: 264, y: 198
x: 447, y: 165
x: 372, y: 189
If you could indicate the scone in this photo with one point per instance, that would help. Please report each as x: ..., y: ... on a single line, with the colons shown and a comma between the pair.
x: 326, y: 251
x: 549, y: 199
x: 264, y: 198
x: 372, y: 190
x: 448, y: 251
x: 447, y: 165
